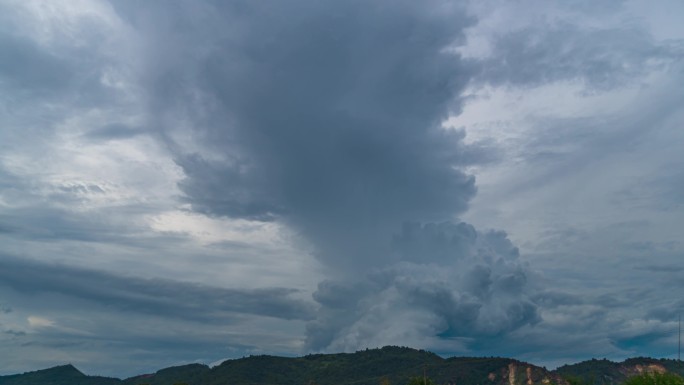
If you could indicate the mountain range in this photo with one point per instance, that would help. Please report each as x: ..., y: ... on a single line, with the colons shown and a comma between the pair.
x: 389, y: 365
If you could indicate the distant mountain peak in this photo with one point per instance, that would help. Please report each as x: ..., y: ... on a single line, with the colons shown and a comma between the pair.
x: 67, y: 369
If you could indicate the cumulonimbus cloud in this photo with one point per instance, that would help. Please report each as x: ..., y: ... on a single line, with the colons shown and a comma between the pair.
x: 328, y: 117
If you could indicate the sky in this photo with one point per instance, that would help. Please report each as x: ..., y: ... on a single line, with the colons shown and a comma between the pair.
x: 193, y: 181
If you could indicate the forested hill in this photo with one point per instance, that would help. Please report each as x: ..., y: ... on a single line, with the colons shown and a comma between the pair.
x: 369, y: 367
x: 605, y: 372
x: 59, y: 375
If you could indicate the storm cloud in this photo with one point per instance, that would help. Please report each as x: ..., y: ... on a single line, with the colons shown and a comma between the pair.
x: 329, y: 119
x: 326, y: 117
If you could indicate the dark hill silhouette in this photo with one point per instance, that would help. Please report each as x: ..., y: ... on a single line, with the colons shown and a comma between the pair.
x: 367, y: 367
x: 186, y: 374
x: 59, y: 375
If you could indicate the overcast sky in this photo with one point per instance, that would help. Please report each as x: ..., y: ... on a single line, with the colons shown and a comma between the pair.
x: 190, y: 181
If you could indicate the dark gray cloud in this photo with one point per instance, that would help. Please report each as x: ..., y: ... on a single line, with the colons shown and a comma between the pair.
x: 326, y: 117
x: 160, y: 297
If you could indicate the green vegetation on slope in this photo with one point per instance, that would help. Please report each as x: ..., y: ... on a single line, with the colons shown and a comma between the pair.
x: 605, y: 372
x: 655, y: 378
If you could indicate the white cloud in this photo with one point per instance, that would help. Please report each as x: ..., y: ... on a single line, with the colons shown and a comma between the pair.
x: 37, y: 322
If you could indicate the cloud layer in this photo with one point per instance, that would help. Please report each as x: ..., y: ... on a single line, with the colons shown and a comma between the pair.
x: 189, y: 181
